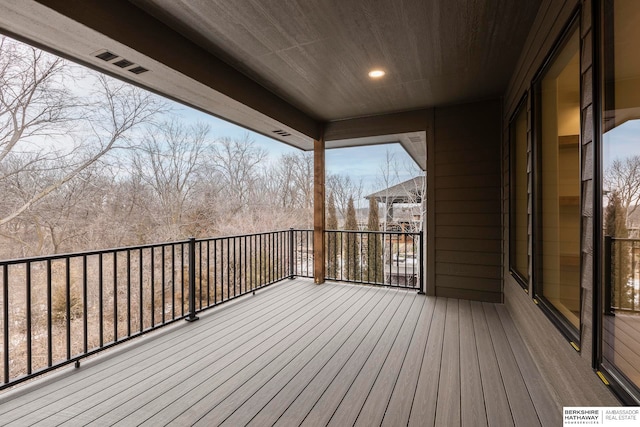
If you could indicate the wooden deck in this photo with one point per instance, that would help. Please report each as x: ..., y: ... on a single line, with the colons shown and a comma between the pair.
x: 301, y: 354
x: 621, y: 343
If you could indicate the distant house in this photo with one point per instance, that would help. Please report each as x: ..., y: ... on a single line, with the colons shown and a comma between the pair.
x: 409, y: 196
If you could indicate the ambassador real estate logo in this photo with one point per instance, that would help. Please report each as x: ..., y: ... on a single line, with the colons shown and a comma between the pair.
x: 601, y: 416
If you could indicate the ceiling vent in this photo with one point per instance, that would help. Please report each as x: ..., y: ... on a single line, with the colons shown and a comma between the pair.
x: 106, y: 56
x: 282, y: 132
x: 138, y: 70
x: 119, y: 61
x: 123, y: 63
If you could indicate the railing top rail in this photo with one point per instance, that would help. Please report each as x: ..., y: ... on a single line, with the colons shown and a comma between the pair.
x: 53, y: 257
x: 623, y: 239
x: 408, y: 233
x: 231, y: 236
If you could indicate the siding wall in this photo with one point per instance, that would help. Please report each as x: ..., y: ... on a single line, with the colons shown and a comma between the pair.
x: 570, y: 372
x: 465, y: 197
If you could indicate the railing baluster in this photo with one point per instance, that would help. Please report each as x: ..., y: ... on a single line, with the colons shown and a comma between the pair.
x: 5, y: 320
x: 182, y: 280
x: 173, y: 281
x: 68, y: 305
x: 85, y: 311
x: 192, y: 280
x: 115, y: 296
x: 215, y: 272
x: 153, y: 287
x: 28, y: 317
x: 100, y: 301
x: 228, y: 270
x: 49, y: 331
x: 128, y: 293
x: 140, y: 290
x: 200, y: 275
x: 421, y: 261
x: 163, y: 282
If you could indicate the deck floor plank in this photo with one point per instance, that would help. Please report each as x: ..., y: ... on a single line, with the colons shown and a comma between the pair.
x: 471, y: 397
x: 354, y: 400
x: 448, y: 404
x: 522, y: 408
x: 379, y: 394
x: 399, y: 407
x: 423, y: 408
x: 548, y: 410
x: 497, y: 404
x: 300, y: 354
x: 179, y: 401
x: 266, y: 407
x: 282, y: 367
x: 387, y: 326
x: 296, y: 410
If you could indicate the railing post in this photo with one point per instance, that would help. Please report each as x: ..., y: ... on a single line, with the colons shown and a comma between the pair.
x: 291, y: 253
x: 192, y: 280
x: 421, y: 251
x: 608, y: 241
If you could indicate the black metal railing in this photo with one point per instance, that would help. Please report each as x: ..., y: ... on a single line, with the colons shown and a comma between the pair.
x: 59, y: 309
x: 376, y: 258
x: 622, y: 275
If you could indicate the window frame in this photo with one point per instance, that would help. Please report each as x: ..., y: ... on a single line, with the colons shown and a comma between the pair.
x: 569, y: 330
x: 521, y: 277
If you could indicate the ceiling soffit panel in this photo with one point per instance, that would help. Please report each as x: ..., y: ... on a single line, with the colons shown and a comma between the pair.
x: 315, y: 54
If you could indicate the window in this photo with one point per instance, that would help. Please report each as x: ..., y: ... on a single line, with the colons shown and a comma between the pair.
x: 519, y: 224
x: 621, y: 193
x: 557, y: 220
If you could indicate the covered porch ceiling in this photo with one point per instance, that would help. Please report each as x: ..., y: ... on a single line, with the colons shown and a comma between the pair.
x: 295, y: 70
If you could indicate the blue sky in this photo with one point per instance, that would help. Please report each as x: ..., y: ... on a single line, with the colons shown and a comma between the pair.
x: 622, y: 141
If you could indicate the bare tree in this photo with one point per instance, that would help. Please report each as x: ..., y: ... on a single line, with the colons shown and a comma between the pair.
x: 34, y: 100
x: 168, y: 160
x: 343, y: 188
x: 36, y: 105
x: 352, y: 245
x: 237, y: 161
x: 332, y: 239
x: 623, y: 177
x: 375, y: 255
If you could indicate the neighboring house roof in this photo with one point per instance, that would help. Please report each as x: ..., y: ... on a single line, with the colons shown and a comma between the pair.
x: 633, y: 219
x: 410, y: 191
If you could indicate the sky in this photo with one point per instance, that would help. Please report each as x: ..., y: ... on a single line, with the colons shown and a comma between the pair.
x: 621, y: 141
x: 360, y: 163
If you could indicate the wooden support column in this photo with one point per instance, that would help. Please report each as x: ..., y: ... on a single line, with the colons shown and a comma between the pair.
x: 318, y: 211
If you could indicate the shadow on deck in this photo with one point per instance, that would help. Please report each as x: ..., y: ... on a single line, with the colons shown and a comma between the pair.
x: 301, y: 354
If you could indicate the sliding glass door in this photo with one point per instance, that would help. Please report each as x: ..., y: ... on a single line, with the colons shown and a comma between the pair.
x: 621, y: 192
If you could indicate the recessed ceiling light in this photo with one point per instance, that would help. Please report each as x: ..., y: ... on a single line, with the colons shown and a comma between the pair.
x: 376, y: 74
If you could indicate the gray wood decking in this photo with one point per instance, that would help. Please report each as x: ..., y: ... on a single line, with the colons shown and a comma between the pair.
x: 302, y: 354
